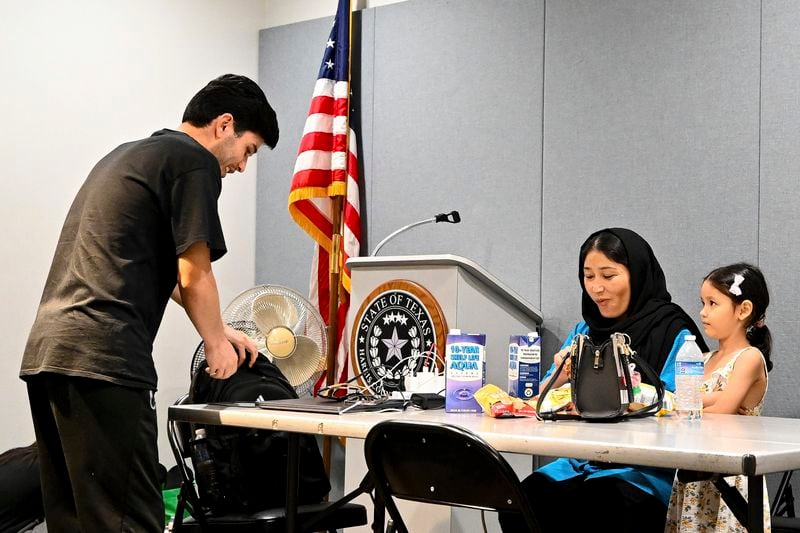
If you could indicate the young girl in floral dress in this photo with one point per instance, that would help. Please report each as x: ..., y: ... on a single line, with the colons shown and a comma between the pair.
x: 735, y: 300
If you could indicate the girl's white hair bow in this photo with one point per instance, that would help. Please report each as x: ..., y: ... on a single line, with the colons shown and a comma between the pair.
x: 735, y: 286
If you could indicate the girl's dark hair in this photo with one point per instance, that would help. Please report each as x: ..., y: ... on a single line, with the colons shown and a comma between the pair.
x: 754, y: 288
x: 609, y: 245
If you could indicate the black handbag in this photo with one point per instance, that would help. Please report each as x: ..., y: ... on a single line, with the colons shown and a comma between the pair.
x: 600, y: 381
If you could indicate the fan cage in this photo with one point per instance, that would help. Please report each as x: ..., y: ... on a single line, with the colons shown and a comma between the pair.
x: 307, y: 323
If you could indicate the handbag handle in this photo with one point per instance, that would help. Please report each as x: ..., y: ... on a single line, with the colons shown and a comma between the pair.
x: 554, y: 415
x: 657, y: 383
x: 623, y: 343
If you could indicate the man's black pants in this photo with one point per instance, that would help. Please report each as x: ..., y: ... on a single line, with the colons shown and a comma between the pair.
x: 98, y: 455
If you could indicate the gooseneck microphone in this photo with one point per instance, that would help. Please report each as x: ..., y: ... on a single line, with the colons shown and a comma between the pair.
x: 452, y: 217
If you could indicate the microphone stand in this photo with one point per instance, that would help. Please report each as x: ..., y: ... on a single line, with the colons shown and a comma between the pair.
x: 452, y: 217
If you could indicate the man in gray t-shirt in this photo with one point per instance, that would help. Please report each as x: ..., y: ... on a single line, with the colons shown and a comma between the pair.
x: 145, y: 217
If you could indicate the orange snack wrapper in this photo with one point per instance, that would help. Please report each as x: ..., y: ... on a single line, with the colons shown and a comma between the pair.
x: 497, y: 403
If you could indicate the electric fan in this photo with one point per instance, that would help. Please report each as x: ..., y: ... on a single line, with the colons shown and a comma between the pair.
x: 285, y: 327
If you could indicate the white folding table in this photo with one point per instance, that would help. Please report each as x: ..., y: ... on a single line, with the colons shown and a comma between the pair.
x: 718, y: 444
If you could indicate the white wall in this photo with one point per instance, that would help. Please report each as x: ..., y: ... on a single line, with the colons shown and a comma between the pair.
x: 280, y: 12
x: 77, y: 79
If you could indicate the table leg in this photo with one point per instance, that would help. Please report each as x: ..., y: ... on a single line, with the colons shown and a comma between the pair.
x: 292, y: 480
x: 755, y: 504
x: 750, y: 512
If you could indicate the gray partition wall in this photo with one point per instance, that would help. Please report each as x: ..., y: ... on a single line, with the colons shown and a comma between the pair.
x: 651, y: 122
x: 542, y: 121
x: 448, y: 120
x: 779, y: 217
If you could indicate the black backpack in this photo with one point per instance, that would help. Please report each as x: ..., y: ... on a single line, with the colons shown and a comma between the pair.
x: 250, y: 464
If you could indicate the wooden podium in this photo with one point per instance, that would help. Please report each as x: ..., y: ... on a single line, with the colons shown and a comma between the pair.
x: 468, y: 298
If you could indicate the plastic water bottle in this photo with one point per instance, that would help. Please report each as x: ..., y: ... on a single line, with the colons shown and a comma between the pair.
x: 689, y: 367
x: 205, y: 470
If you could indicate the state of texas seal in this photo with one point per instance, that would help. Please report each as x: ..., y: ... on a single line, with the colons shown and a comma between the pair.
x: 398, y: 329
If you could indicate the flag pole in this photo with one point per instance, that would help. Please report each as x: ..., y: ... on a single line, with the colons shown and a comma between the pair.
x: 333, y: 314
x: 337, y: 207
x: 334, y: 263
x: 335, y: 276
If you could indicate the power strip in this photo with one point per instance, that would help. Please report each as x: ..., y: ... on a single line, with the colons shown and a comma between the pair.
x: 425, y: 380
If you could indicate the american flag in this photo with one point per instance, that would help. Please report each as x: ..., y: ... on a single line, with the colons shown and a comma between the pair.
x: 327, y: 166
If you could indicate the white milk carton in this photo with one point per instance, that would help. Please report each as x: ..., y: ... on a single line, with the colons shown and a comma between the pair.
x: 465, y: 371
x: 524, y: 359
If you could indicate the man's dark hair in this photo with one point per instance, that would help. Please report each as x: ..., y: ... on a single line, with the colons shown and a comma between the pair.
x: 241, y: 97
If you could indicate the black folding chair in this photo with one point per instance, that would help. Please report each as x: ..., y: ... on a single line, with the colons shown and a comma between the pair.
x: 325, y: 516
x: 441, y: 464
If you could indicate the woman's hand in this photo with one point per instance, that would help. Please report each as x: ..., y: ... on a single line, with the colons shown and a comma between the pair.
x: 563, y: 376
x: 558, y: 358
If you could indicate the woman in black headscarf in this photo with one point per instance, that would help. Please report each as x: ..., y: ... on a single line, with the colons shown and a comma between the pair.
x: 624, y: 290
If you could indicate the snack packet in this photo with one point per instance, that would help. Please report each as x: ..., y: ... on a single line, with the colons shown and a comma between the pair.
x: 558, y: 399
x: 636, y: 379
x: 497, y: 403
x: 647, y: 394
